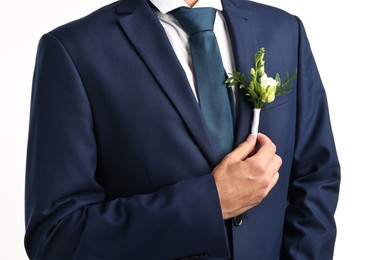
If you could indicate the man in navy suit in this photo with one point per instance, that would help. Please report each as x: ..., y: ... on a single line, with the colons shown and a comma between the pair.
x: 120, y: 164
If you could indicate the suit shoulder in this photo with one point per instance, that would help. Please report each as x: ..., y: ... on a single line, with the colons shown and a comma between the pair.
x: 270, y: 16
x: 270, y: 12
x: 88, y: 24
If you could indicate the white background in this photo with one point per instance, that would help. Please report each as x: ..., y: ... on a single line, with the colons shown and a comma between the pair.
x: 350, y: 42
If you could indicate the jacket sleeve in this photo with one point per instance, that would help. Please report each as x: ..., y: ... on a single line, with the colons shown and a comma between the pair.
x: 67, y: 216
x: 310, y: 228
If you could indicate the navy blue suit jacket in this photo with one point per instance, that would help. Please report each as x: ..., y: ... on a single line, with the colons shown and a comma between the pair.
x: 119, y: 159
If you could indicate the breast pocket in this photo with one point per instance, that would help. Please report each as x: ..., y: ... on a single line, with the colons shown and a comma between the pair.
x: 278, y: 119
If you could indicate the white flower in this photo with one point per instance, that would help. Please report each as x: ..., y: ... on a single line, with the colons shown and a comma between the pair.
x: 268, y: 88
x: 268, y: 81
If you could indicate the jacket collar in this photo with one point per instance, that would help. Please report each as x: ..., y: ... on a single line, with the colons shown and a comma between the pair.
x: 165, y: 6
x: 128, y: 6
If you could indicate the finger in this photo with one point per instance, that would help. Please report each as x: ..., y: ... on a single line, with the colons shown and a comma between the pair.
x: 275, y: 164
x: 273, y: 182
x: 265, y: 190
x: 243, y: 150
x: 266, y: 151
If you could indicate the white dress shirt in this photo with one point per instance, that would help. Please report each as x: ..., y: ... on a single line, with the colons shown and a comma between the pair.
x: 178, y: 37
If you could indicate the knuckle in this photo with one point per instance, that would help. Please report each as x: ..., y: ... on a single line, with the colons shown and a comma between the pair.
x: 279, y: 159
x: 276, y: 176
x: 257, y: 201
x: 266, y: 180
x: 261, y: 196
x: 272, y: 147
x: 261, y: 168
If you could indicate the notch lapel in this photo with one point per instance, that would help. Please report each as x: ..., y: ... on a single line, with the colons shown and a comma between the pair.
x: 148, y: 37
x: 244, y: 47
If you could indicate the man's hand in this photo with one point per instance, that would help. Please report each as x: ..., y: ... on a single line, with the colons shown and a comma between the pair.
x: 246, y: 175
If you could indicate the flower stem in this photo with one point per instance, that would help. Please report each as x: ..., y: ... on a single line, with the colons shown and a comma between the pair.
x: 255, y: 121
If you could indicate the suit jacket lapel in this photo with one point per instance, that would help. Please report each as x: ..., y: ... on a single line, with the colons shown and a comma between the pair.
x: 244, y: 47
x: 148, y: 37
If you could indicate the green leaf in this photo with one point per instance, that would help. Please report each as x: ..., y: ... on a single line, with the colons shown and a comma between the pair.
x: 278, y: 79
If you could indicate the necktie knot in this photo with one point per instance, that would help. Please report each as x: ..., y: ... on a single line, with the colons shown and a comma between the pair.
x: 195, y: 20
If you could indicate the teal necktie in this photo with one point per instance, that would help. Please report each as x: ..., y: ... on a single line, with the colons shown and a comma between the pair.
x: 210, y: 75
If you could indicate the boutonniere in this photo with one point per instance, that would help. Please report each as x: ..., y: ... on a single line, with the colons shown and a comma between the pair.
x: 261, y: 89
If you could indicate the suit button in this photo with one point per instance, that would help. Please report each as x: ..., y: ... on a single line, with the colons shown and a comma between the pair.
x: 237, y: 221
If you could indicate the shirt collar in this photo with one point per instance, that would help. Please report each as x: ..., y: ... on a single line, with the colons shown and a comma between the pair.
x: 165, y: 6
